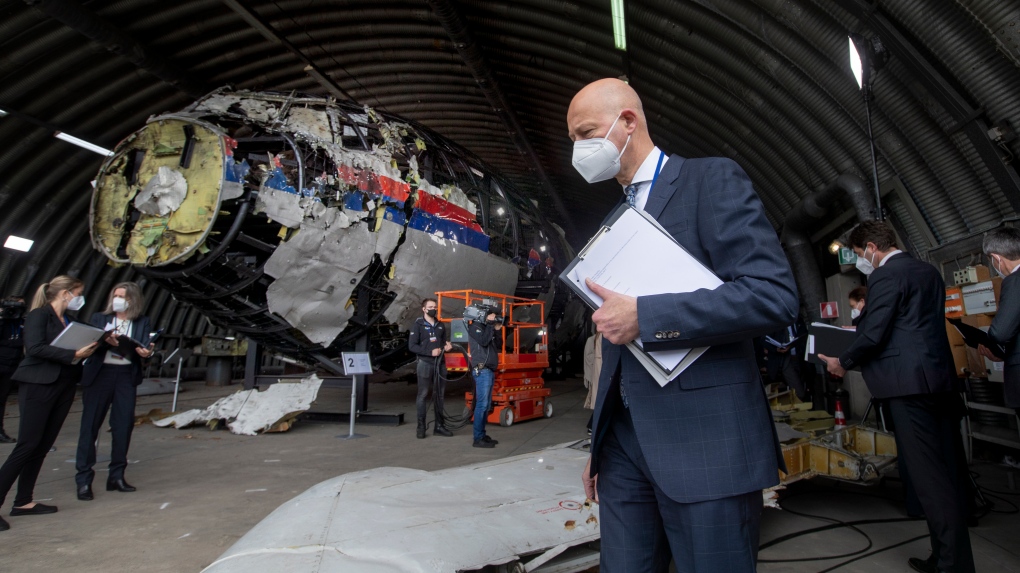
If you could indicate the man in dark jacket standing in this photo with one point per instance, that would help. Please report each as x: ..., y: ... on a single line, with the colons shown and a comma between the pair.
x: 428, y: 340
x: 1002, y: 247
x: 903, y: 351
x: 484, y: 361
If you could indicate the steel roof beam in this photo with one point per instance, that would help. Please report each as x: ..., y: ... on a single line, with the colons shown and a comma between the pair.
x: 457, y: 28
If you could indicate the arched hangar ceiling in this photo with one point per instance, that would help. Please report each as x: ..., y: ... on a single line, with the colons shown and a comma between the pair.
x: 765, y: 82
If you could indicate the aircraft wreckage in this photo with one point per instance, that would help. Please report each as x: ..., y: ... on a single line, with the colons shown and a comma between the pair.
x: 304, y: 223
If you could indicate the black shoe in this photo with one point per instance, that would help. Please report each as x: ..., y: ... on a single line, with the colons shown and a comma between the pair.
x: 4, y: 526
x: 420, y: 433
x: 85, y: 493
x: 441, y: 431
x: 120, y: 485
x: 38, y: 509
x: 488, y: 439
x: 484, y: 444
x: 5, y: 439
x: 923, y: 565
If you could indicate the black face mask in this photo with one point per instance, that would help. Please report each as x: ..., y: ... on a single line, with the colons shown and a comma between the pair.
x: 431, y: 313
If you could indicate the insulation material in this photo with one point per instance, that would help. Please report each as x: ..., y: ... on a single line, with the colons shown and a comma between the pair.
x: 308, y: 123
x: 251, y: 411
x: 423, y: 265
x: 316, y: 272
x: 285, y: 208
x: 528, y: 507
x: 163, y: 194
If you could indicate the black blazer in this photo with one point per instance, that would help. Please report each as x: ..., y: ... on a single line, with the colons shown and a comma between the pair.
x: 1005, y: 330
x: 139, y: 331
x: 42, y: 362
x: 901, y: 345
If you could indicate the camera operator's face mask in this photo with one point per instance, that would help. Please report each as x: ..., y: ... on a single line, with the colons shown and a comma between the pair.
x: 597, y: 159
x: 76, y: 302
x: 119, y: 304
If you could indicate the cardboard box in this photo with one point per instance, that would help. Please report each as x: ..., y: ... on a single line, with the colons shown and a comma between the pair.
x: 978, y: 320
x: 960, y: 360
x: 955, y: 338
x: 976, y: 363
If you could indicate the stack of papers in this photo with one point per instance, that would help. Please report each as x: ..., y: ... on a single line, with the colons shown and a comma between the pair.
x: 635, y: 256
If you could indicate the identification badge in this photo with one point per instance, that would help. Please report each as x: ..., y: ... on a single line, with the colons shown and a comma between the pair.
x: 433, y: 339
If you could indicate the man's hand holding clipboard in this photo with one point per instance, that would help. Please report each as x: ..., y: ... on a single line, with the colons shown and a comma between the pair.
x: 617, y: 318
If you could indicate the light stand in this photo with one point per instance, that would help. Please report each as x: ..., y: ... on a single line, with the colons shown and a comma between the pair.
x: 864, y: 56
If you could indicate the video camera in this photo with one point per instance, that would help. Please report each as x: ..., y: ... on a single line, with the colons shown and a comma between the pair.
x: 12, y: 310
x: 479, y: 311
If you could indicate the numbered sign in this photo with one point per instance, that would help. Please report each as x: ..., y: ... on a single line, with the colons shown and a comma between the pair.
x: 356, y: 363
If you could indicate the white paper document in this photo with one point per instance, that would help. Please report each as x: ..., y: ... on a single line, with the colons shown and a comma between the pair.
x: 637, y: 257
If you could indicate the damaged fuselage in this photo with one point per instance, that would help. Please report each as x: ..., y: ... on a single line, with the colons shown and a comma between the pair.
x: 304, y: 223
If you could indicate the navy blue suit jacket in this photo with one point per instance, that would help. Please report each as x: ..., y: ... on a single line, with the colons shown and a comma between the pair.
x: 1005, y: 330
x: 708, y: 434
x: 901, y: 345
x: 139, y: 331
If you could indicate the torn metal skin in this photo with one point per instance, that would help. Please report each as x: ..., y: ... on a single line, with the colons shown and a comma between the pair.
x: 292, y: 203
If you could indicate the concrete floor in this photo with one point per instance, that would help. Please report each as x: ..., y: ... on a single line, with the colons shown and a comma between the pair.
x: 199, y: 490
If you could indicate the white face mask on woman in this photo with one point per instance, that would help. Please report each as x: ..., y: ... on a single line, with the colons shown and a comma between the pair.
x: 597, y: 159
x: 76, y: 303
x: 119, y: 304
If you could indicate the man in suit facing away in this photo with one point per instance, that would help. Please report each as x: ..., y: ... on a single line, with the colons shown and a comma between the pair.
x: 678, y: 469
x: 1002, y: 247
x: 903, y: 351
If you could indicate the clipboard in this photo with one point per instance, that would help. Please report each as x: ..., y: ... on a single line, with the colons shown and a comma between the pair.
x: 973, y: 336
x: 619, y: 257
x: 77, y: 335
x: 828, y: 340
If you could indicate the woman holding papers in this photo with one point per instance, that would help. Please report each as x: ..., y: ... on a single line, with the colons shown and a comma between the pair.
x: 48, y: 376
x: 111, y: 379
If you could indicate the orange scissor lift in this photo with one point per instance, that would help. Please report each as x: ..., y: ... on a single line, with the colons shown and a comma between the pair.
x: 518, y: 390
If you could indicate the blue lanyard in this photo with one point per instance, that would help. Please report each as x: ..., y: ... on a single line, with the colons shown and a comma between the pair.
x: 658, y: 167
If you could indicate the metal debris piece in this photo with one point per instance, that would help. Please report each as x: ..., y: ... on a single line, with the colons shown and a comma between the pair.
x: 163, y: 194
x: 385, y: 519
x: 250, y: 411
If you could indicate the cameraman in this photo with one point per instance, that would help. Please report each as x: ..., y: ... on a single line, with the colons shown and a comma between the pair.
x: 484, y: 360
x: 12, y: 321
x: 427, y: 339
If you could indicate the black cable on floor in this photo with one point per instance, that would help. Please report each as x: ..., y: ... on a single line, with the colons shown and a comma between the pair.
x: 834, y: 524
x: 875, y: 552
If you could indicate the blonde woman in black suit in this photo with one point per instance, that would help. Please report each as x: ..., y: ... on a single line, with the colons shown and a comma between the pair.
x: 48, y: 376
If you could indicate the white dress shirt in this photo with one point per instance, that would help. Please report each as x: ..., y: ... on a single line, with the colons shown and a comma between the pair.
x: 889, y: 256
x: 643, y: 178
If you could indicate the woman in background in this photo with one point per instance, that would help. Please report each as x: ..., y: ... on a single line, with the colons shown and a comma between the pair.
x: 109, y: 384
x: 47, y: 378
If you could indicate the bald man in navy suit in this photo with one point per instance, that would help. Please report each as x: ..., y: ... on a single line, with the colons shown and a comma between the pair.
x: 678, y: 469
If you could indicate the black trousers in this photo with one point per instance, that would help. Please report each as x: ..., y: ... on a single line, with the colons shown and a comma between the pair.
x: 112, y: 391
x: 44, y: 408
x: 930, y: 447
x: 5, y: 390
x: 427, y: 386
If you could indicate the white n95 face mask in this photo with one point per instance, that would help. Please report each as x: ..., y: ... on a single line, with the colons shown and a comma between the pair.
x: 597, y: 159
x: 854, y: 313
x: 864, y: 265
x: 119, y: 304
x: 76, y: 303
